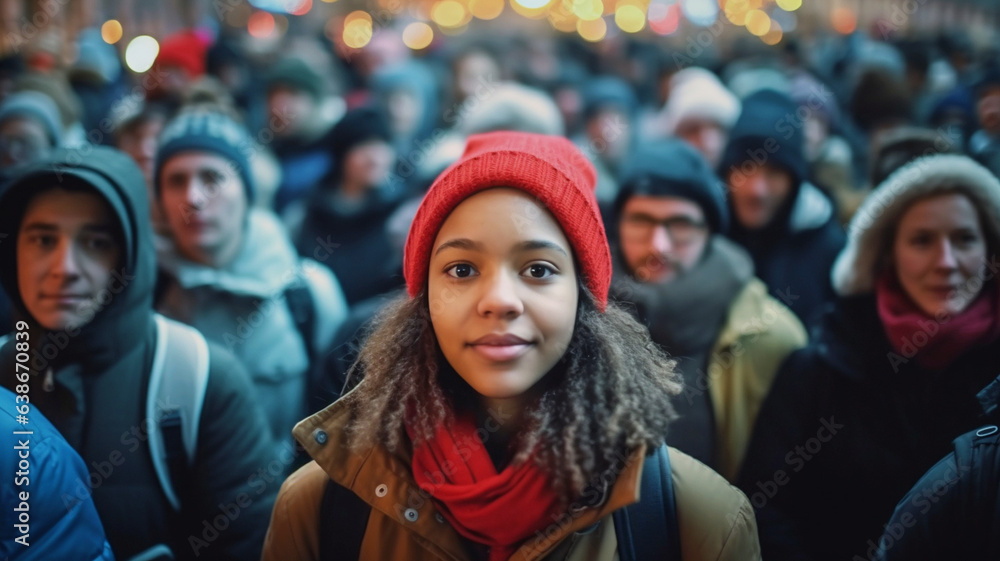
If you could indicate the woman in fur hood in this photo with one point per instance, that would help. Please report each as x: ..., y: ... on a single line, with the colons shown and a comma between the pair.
x: 891, y: 376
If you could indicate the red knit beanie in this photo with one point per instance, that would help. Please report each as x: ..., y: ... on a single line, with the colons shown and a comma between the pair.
x: 550, y: 168
x: 185, y: 49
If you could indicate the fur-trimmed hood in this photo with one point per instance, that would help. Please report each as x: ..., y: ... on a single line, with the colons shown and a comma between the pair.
x: 854, y: 272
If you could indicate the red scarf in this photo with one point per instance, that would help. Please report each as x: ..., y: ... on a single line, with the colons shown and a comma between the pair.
x: 937, y: 344
x: 499, y: 510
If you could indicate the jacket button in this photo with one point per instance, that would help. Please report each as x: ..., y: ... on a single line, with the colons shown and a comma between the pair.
x: 411, y: 515
x: 381, y: 490
x: 320, y: 436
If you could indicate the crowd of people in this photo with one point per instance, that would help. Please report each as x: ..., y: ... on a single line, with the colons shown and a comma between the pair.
x: 477, y: 302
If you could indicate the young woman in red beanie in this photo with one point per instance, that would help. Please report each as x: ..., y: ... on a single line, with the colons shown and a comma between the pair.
x: 507, y: 407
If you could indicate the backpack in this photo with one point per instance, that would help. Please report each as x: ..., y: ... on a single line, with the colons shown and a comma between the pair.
x: 177, y: 383
x: 177, y: 389
x: 646, y: 530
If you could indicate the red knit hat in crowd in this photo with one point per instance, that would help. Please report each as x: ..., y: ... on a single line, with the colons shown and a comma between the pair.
x: 550, y: 168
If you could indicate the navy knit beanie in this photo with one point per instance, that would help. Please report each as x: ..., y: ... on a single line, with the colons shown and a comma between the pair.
x: 673, y: 168
x: 201, y: 130
x: 769, y: 131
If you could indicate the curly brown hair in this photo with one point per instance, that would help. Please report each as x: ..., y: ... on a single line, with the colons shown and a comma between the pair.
x: 610, y: 393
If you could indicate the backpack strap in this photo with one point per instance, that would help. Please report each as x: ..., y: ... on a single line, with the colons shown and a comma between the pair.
x: 648, y: 530
x: 302, y: 307
x: 300, y: 304
x: 176, y: 394
x: 343, y: 519
x: 977, y: 455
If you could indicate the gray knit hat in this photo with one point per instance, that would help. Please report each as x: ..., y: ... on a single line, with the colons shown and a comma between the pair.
x: 37, y: 106
x: 206, y: 130
x: 856, y: 268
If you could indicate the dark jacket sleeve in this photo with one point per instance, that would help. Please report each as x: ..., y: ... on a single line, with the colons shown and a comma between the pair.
x: 778, y: 476
x: 923, y: 524
x: 236, y: 476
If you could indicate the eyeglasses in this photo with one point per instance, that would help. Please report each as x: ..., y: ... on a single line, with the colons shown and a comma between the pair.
x: 681, y: 229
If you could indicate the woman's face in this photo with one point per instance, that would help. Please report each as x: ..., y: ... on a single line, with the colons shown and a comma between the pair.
x: 938, y: 251
x: 502, y: 291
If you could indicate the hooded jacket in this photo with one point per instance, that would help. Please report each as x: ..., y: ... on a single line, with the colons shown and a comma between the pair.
x: 717, y: 524
x: 99, y: 374
x: 793, y: 254
x: 850, y: 425
x: 244, y: 308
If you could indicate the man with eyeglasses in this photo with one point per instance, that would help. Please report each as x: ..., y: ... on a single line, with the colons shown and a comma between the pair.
x: 697, y: 293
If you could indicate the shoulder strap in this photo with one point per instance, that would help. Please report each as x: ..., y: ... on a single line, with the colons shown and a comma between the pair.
x: 176, y: 393
x: 978, y: 457
x: 343, y: 518
x: 647, y: 530
x: 300, y: 303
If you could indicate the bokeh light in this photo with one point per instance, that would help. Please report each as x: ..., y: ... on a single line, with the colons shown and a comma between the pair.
x: 535, y: 9
x: 563, y: 20
x: 664, y: 16
x: 418, y: 35
x: 450, y: 13
x: 300, y: 8
x: 736, y: 10
x: 844, y: 21
x: 141, y: 53
x: 587, y: 10
x: 630, y: 18
x: 592, y: 31
x: 773, y: 35
x: 357, y: 29
x: 700, y: 12
x: 111, y: 31
x: 789, y: 5
x: 758, y: 22
x: 486, y: 9
x: 260, y: 25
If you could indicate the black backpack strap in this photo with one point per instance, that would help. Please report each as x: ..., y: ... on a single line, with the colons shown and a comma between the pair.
x: 977, y: 455
x: 300, y: 303
x: 343, y: 519
x: 647, y: 530
x: 174, y: 454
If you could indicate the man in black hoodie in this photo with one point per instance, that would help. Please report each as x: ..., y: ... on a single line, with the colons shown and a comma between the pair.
x: 79, y: 265
x: 788, y: 226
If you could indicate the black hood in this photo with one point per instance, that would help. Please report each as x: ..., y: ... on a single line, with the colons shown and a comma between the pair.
x: 120, y: 324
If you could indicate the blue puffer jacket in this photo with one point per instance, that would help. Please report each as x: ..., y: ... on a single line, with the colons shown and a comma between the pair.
x: 61, y: 520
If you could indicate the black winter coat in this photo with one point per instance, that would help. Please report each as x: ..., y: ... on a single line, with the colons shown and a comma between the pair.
x: 794, y: 256
x: 953, y: 512
x: 842, y: 437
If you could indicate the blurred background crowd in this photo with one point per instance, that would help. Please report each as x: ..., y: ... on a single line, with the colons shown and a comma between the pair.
x: 776, y: 119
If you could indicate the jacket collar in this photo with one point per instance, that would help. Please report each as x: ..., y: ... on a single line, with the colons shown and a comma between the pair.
x: 266, y: 263
x: 746, y: 314
x: 385, y: 481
